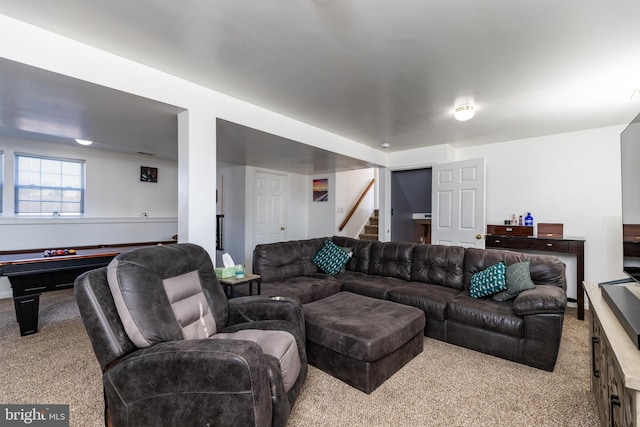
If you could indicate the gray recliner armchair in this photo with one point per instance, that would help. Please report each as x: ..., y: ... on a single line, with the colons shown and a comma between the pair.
x: 174, y: 350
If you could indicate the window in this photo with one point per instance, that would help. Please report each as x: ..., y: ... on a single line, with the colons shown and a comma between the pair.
x: 49, y: 186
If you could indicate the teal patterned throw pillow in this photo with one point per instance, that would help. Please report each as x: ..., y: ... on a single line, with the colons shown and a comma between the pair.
x: 331, y: 258
x: 488, y: 281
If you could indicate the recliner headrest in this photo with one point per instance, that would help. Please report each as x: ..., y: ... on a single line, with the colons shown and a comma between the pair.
x: 166, y: 293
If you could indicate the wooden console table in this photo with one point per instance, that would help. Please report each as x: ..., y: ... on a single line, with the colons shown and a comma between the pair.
x: 547, y: 244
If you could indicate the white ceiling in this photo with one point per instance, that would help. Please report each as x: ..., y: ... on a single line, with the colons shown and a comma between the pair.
x: 375, y: 70
x: 41, y: 105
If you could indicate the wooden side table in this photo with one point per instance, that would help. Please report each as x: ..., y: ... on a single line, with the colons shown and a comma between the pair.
x: 231, y: 282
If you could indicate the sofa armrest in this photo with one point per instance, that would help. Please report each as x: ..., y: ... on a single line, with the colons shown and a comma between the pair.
x: 542, y: 299
x: 255, y: 308
x: 206, y: 381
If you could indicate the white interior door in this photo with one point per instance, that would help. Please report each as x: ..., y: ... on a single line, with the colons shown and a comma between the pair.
x: 270, y: 203
x: 458, y: 201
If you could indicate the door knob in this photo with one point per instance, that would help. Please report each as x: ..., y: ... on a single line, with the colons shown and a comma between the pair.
x: 281, y: 228
x: 478, y: 236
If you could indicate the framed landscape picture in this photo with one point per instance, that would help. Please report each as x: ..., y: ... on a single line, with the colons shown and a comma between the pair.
x: 321, y: 190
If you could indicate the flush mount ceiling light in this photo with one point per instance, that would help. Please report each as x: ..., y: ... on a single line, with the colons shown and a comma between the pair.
x: 463, y: 112
x: 385, y: 145
x: 84, y: 141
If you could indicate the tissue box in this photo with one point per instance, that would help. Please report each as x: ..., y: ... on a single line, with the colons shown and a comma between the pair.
x: 225, y: 272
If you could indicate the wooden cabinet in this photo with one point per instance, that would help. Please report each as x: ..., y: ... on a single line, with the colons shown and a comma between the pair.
x: 615, y: 365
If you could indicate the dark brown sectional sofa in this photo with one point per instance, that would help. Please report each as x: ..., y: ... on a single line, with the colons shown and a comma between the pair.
x: 436, y: 279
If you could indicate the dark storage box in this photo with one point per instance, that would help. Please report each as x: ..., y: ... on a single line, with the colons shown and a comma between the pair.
x: 550, y: 230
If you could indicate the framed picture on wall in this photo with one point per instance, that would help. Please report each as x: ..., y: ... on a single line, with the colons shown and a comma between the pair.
x: 321, y: 190
x: 148, y: 174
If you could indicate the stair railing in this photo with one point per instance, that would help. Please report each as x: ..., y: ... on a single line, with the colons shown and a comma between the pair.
x: 355, y: 206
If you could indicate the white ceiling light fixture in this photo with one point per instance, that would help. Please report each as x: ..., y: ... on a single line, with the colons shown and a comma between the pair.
x: 385, y: 145
x: 84, y: 141
x: 463, y: 112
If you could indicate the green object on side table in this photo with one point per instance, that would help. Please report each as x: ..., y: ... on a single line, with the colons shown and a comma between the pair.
x: 224, y: 272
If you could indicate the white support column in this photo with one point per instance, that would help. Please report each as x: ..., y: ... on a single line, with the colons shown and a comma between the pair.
x: 197, y: 179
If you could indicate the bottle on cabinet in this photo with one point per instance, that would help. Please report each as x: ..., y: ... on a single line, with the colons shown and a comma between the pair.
x: 528, y: 220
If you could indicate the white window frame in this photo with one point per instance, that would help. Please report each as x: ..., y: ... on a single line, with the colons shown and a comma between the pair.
x: 60, y: 211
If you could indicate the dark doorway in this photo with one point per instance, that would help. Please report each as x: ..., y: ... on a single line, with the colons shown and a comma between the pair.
x: 410, y: 194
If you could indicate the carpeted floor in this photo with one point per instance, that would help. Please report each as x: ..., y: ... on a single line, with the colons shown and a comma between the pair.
x: 443, y: 386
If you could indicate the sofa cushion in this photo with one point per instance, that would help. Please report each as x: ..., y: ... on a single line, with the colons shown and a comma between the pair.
x: 279, y: 344
x: 439, y: 265
x: 371, y: 286
x: 361, y: 253
x: 331, y: 258
x: 518, y: 279
x: 547, y: 270
x: 391, y: 259
x: 476, y: 260
x: 432, y: 299
x: 282, y: 260
x: 545, y: 299
x: 488, y: 281
x: 485, y: 313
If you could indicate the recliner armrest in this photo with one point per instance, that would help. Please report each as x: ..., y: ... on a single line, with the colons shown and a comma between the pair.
x: 255, y: 308
x: 542, y: 299
x: 225, y: 381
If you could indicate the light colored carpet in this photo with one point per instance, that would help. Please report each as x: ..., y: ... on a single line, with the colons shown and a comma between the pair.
x: 443, y: 386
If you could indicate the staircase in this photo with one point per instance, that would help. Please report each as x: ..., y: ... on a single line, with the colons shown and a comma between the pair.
x: 371, y: 230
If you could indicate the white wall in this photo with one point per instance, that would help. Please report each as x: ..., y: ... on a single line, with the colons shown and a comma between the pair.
x: 322, y: 215
x: 305, y: 218
x: 571, y: 178
x: 324, y: 218
x: 421, y: 157
x: 113, y: 187
x: 348, y: 189
x: 114, y: 202
x: 298, y: 210
x: 231, y: 202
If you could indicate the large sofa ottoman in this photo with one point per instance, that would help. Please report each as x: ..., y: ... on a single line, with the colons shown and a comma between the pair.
x: 360, y: 340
